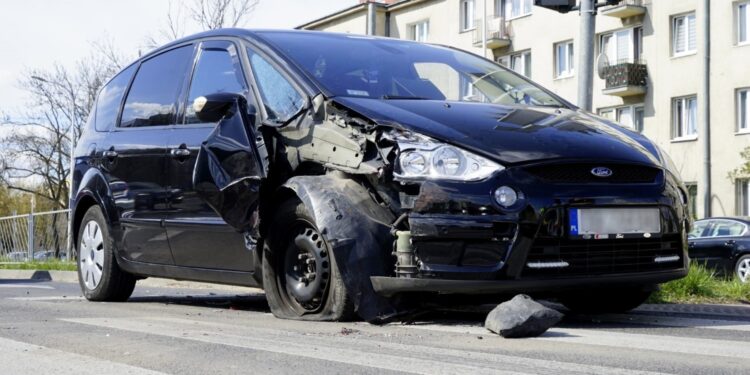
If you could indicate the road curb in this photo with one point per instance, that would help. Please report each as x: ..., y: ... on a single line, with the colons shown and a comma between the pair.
x: 72, y: 277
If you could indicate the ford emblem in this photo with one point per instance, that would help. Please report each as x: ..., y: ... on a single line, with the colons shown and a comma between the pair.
x: 601, y: 172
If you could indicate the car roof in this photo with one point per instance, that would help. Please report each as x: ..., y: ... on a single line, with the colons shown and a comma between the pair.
x: 743, y: 219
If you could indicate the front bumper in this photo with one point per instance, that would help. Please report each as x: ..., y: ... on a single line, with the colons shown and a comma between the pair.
x: 388, y: 286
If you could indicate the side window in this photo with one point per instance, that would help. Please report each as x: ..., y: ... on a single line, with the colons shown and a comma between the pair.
x: 724, y: 228
x: 110, y: 98
x: 153, y: 96
x: 217, y: 71
x: 698, y: 228
x: 279, y: 96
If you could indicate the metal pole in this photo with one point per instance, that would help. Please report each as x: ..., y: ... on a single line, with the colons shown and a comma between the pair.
x: 30, y: 236
x: 586, y: 55
x: 484, y: 28
x: 371, y: 19
x: 705, y: 108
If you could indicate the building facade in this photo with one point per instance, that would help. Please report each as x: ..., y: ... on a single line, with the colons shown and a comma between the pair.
x: 649, y: 69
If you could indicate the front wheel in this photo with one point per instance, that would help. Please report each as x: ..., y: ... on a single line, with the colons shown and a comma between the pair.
x: 99, y: 276
x: 604, y: 301
x: 300, y: 275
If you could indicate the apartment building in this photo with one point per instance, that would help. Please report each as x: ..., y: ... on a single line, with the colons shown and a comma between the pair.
x: 651, y: 58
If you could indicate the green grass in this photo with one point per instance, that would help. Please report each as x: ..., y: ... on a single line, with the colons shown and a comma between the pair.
x: 47, y: 265
x: 702, y: 285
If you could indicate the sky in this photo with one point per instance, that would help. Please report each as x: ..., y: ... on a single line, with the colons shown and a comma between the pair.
x: 38, y: 33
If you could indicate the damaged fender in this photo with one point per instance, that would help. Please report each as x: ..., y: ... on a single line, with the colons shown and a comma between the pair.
x: 358, y: 231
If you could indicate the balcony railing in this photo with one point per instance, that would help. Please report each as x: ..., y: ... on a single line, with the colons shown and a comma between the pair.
x: 626, y: 8
x: 497, y: 33
x: 626, y: 78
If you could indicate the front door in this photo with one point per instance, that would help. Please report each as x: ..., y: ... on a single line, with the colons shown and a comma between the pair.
x: 198, y: 236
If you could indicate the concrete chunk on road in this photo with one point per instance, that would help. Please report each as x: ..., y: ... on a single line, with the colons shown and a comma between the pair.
x: 521, y: 317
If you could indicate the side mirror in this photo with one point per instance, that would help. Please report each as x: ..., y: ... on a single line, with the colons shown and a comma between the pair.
x: 212, y: 108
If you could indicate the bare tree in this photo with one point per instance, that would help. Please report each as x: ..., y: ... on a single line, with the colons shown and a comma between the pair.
x: 201, y: 15
x: 37, y: 149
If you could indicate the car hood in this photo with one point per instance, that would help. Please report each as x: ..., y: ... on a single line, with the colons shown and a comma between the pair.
x: 511, y: 134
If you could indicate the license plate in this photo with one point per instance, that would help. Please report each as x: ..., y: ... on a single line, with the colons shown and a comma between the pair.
x: 604, y: 223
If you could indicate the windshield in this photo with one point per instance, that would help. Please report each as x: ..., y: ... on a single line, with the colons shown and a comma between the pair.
x: 379, y: 68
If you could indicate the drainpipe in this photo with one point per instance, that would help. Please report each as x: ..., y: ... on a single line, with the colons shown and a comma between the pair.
x: 705, y: 108
x: 371, y: 18
x: 484, y: 28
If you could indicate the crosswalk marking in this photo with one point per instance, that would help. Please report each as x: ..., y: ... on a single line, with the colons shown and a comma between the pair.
x: 360, y: 351
x: 20, y: 358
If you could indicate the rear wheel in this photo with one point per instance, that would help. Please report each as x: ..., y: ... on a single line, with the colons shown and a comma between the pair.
x: 300, y: 274
x: 606, y: 300
x: 99, y: 276
x: 742, y: 269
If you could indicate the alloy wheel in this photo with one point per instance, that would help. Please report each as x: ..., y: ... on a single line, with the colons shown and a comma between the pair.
x: 91, y: 255
x: 743, y: 270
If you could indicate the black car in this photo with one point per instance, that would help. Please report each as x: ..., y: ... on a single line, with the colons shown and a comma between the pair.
x: 356, y: 175
x: 722, y: 244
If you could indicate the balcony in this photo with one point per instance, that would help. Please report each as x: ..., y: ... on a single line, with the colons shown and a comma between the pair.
x: 626, y: 8
x: 626, y: 79
x: 497, y: 33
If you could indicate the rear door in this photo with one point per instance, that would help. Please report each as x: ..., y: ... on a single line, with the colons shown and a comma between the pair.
x: 134, y: 156
x: 198, y: 236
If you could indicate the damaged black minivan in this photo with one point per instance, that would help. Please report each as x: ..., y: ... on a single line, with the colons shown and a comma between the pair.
x: 357, y: 176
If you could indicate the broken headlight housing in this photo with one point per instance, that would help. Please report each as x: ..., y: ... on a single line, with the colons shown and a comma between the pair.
x: 421, y: 158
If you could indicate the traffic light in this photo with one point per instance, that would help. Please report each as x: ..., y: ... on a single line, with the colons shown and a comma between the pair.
x: 562, y: 6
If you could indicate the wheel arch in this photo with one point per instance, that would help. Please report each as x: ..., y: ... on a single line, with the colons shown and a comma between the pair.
x: 93, y: 191
x: 357, y: 229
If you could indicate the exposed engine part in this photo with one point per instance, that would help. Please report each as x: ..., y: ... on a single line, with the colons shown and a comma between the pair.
x: 406, y: 265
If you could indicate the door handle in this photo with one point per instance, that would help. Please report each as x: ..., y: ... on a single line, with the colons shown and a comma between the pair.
x: 729, y: 242
x: 179, y: 153
x: 109, y: 154
x: 691, y: 244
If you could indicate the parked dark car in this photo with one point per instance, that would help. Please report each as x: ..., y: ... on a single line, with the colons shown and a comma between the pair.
x: 722, y: 244
x: 357, y: 175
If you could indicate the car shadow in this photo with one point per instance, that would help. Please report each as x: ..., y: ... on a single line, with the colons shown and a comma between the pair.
x: 245, y: 302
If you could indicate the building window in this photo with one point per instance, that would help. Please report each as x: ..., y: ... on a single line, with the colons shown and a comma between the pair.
x: 519, y: 63
x: 622, y: 46
x: 692, y: 193
x: 564, y: 59
x: 685, y: 118
x: 684, y: 35
x: 743, y: 197
x: 467, y: 14
x: 513, y: 8
x: 630, y: 116
x: 743, y: 22
x: 419, y: 31
x: 743, y: 110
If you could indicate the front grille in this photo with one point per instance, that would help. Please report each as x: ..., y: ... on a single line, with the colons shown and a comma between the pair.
x: 598, y: 257
x: 581, y: 173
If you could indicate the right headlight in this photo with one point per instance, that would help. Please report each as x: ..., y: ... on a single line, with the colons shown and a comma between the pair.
x: 422, y: 158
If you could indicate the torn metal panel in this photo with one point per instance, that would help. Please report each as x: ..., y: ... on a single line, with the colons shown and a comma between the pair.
x: 229, y: 171
x: 358, y: 230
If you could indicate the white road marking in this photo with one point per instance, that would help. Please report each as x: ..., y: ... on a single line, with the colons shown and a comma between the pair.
x: 662, y: 343
x: 30, y: 286
x: 668, y: 321
x: 20, y: 358
x: 418, y: 359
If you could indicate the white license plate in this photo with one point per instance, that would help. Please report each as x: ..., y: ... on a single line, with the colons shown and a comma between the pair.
x: 601, y: 223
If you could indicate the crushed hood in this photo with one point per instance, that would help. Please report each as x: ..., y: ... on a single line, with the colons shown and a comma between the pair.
x: 511, y: 134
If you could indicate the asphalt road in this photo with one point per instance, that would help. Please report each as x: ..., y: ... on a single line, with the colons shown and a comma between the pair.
x: 48, y: 328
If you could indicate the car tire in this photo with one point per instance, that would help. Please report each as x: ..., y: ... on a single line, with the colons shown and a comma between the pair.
x: 606, y: 300
x: 300, y: 275
x: 99, y: 275
x: 742, y: 269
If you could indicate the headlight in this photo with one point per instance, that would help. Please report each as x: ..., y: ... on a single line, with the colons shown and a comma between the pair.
x: 667, y: 162
x: 425, y: 158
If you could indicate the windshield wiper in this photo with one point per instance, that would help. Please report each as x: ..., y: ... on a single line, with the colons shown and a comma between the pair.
x: 403, y: 97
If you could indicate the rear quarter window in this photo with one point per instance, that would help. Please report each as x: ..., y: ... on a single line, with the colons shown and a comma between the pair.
x: 110, y: 98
